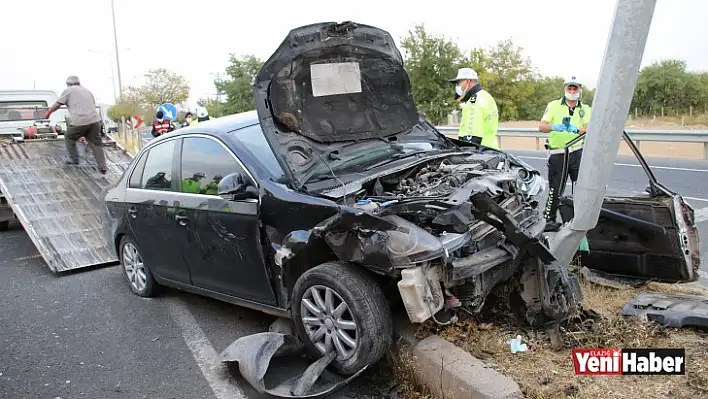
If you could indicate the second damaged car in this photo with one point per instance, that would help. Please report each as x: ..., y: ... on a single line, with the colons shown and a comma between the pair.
x: 332, y: 193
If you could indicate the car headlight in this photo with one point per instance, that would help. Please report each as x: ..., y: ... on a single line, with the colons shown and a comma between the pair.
x: 532, y: 184
x: 409, y: 244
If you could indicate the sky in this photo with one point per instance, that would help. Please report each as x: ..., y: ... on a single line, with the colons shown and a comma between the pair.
x: 45, y: 41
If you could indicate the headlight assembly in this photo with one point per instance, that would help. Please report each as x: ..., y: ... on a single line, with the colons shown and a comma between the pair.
x: 409, y: 244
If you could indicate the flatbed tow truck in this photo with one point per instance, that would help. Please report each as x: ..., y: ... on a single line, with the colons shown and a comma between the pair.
x: 58, y: 205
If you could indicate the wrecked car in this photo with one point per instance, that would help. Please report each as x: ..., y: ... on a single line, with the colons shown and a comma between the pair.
x: 330, y: 194
x: 641, y: 237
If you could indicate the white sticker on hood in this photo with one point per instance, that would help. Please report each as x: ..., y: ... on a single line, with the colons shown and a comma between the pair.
x: 336, y: 78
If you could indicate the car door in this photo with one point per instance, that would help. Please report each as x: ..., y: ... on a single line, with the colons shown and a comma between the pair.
x: 650, y: 235
x: 221, y: 238
x: 151, y: 211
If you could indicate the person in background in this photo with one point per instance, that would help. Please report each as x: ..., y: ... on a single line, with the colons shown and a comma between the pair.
x: 85, y: 122
x: 202, y: 115
x: 564, y: 119
x: 188, y: 120
x: 480, y: 116
x: 161, y: 125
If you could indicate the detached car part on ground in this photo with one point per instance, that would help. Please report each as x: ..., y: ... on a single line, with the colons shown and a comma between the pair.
x: 643, y: 237
x: 346, y: 200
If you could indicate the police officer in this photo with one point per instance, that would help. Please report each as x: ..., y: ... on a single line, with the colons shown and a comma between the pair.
x: 564, y: 119
x: 480, y: 116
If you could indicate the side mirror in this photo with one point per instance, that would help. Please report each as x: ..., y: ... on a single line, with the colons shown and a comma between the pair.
x: 234, y: 187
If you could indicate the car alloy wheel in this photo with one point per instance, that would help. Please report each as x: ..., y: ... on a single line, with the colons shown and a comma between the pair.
x: 328, y: 321
x: 139, y: 276
x: 134, y: 267
x: 340, y: 308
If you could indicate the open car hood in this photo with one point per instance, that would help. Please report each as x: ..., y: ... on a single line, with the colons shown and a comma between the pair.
x: 329, y: 85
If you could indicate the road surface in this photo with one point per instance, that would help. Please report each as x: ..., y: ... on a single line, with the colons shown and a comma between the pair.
x: 85, y: 335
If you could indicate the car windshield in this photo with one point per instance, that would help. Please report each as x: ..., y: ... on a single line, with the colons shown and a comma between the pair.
x: 365, y: 158
x: 22, y: 110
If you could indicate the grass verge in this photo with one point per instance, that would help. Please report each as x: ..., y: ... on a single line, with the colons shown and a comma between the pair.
x: 543, y: 373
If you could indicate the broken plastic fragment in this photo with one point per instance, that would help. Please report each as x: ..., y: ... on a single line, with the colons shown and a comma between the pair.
x: 516, y: 345
x: 275, y: 363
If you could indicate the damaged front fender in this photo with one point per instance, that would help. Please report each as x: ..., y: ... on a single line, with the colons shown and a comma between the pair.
x: 276, y: 364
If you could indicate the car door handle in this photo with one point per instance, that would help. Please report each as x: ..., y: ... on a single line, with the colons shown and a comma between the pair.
x: 181, y: 219
x: 133, y: 212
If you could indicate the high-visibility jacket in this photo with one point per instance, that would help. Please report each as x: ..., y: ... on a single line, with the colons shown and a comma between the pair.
x: 212, y: 188
x: 480, y: 118
x: 555, y: 111
x: 191, y: 186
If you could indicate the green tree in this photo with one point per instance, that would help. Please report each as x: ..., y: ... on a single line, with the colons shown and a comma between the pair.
x: 238, y: 86
x: 663, y: 84
x: 509, y: 77
x: 162, y: 86
x: 430, y: 61
x: 127, y: 106
x: 215, y: 108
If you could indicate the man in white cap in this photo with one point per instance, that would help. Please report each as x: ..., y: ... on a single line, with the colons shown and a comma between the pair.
x: 564, y: 119
x: 480, y: 116
x: 85, y: 122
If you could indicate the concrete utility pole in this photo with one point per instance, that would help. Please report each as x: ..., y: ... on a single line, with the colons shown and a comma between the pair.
x: 115, y: 42
x: 618, y: 78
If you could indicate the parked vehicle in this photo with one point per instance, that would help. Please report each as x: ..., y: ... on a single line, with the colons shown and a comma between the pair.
x: 332, y: 192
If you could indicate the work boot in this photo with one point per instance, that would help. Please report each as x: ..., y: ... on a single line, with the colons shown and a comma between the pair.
x: 552, y: 225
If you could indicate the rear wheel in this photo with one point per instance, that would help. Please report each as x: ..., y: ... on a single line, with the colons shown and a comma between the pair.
x: 139, y: 277
x: 4, y: 225
x: 340, y: 307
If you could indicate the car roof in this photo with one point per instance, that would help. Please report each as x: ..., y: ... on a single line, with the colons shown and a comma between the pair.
x: 219, y: 126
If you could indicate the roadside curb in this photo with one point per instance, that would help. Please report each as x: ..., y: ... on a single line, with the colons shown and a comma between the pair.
x: 450, y: 372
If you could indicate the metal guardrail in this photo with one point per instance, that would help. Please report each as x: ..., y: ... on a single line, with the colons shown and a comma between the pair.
x: 637, y: 136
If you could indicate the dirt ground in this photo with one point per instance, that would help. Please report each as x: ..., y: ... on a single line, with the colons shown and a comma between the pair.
x: 543, y: 373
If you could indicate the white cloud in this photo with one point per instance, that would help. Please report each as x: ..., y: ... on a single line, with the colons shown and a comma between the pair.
x: 40, y: 48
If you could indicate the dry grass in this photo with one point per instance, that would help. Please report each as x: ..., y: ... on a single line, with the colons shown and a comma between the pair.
x: 543, y: 373
x: 403, y: 367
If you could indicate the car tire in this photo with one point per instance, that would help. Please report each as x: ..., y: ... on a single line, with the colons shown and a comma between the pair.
x: 138, y: 275
x: 366, y: 307
x: 4, y: 225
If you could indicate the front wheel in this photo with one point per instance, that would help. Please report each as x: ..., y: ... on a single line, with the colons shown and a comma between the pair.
x: 340, y: 307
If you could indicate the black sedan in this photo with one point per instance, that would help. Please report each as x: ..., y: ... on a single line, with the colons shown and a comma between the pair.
x: 333, y: 191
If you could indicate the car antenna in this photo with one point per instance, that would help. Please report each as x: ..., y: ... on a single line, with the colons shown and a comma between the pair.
x: 344, y: 187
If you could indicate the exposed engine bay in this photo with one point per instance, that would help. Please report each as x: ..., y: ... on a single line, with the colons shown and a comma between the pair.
x: 472, y: 223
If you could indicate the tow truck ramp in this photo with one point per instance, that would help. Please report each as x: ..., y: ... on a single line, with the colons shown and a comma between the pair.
x: 57, y: 204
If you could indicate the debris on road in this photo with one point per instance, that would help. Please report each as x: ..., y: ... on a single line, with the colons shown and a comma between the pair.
x: 603, y: 327
x: 517, y: 345
x: 276, y: 364
x: 670, y: 310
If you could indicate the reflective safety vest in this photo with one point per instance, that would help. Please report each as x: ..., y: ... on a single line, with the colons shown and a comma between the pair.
x: 161, y: 127
x: 212, y: 189
x: 480, y: 118
x: 191, y: 186
x: 555, y: 111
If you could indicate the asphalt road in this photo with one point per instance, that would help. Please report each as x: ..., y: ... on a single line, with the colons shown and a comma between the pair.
x: 84, y: 335
x: 689, y: 178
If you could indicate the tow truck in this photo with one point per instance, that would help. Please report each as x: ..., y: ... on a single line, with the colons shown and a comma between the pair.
x: 58, y: 205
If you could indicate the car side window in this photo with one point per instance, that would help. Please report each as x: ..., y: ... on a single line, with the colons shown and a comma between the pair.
x: 157, y: 174
x: 204, y: 163
x: 137, y: 175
